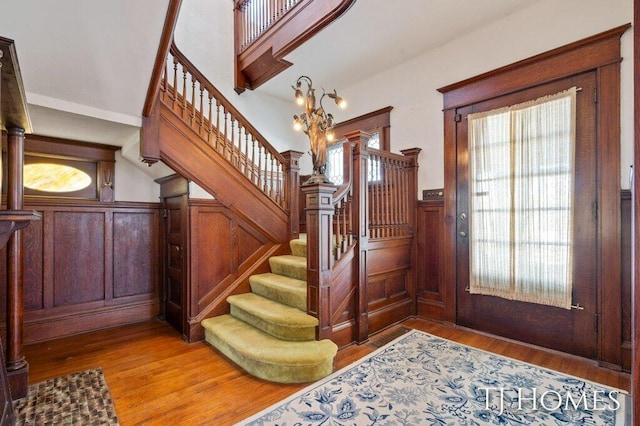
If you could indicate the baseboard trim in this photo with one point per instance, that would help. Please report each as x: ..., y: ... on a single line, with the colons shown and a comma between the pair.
x: 44, y: 329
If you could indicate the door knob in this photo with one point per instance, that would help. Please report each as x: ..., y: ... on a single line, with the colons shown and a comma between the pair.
x: 462, y: 234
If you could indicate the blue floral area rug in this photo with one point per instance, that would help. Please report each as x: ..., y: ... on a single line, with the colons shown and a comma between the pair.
x: 420, y: 379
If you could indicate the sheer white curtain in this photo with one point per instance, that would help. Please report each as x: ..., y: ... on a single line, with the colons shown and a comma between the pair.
x: 521, y: 168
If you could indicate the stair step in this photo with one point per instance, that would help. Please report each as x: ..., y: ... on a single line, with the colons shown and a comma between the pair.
x: 267, y: 357
x: 274, y: 318
x: 289, y: 266
x: 299, y: 246
x: 289, y: 291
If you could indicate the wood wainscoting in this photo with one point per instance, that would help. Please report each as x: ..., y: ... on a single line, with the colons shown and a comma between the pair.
x: 87, y: 266
x: 224, y: 250
x: 435, y: 302
x: 431, y: 294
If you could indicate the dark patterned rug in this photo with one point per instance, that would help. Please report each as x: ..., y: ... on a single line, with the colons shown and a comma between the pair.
x: 77, y: 399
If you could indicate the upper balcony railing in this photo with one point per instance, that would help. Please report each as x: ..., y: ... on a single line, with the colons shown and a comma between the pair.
x: 257, y: 16
x: 267, y: 30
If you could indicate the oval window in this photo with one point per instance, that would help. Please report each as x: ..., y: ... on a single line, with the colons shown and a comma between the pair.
x: 49, y: 177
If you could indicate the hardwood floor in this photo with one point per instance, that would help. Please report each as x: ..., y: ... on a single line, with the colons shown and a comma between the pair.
x: 156, y: 378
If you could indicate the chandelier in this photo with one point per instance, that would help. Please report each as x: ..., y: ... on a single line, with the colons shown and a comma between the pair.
x: 317, y: 124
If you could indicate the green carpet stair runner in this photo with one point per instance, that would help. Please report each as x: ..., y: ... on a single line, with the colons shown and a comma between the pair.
x: 268, y: 332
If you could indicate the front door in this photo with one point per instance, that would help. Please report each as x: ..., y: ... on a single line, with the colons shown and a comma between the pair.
x: 575, y: 330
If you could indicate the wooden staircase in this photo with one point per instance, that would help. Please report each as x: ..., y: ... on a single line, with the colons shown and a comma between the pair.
x: 268, y: 332
x: 354, y: 276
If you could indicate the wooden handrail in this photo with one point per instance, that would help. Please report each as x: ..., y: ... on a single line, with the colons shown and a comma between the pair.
x: 218, y: 96
x: 163, y: 48
x: 209, y: 113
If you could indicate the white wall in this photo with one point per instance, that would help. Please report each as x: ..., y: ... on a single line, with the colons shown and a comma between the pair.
x: 132, y: 184
x: 411, y: 87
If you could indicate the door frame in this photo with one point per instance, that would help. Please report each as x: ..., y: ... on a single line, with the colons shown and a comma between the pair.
x: 174, y: 186
x: 601, y: 53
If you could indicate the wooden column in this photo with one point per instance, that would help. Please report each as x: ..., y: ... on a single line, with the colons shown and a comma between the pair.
x: 17, y: 367
x: 361, y: 227
x: 292, y: 176
x: 320, y: 210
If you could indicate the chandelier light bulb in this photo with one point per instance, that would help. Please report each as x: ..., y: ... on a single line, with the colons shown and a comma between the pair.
x: 297, y: 123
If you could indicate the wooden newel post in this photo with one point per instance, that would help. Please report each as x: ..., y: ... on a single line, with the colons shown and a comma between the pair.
x: 360, y: 140
x: 17, y: 367
x: 319, y: 202
x: 292, y: 192
x: 412, y: 194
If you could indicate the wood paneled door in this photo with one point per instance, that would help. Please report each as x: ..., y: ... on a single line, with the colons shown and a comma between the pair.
x: 175, y: 212
x: 569, y: 330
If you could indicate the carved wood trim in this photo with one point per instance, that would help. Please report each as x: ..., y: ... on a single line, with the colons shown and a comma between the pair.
x: 13, y: 100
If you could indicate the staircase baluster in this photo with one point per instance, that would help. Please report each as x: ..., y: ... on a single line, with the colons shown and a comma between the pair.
x: 335, y: 238
x: 383, y: 200
x: 394, y: 197
x: 175, y: 81
x: 378, y: 198
x: 210, y: 126
x: 350, y: 216
x: 405, y: 199
x: 273, y: 160
x: 260, y: 166
x: 253, y: 159
x: 184, y: 89
x: 164, y: 78
x: 280, y: 177
x: 232, y: 146
x: 238, y: 149
x: 201, y: 124
x: 224, y: 133
x: 193, y: 101
x: 343, y: 230
x: 217, y: 125
x: 245, y: 155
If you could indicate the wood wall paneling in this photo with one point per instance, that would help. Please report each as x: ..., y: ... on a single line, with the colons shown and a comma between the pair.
x: 78, y: 257
x: 390, y: 286
x: 135, y: 251
x: 225, y: 250
x: 88, y: 266
x: 431, y: 295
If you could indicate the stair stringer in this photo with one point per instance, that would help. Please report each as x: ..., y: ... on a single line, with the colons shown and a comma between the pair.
x: 166, y: 137
x: 219, y: 305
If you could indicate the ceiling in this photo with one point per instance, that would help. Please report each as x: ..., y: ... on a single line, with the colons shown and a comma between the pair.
x: 86, y: 64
